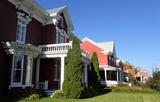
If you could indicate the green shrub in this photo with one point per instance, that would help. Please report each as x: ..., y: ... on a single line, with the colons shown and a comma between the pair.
x: 58, y: 94
x: 93, y: 74
x: 27, y: 94
x: 123, y: 85
x: 154, y: 82
x: 32, y: 97
x: 72, y: 85
x: 133, y: 90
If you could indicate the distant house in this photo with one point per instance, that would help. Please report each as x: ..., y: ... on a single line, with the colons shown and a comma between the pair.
x: 110, y: 66
x: 142, y: 76
x: 33, y: 46
x: 139, y: 74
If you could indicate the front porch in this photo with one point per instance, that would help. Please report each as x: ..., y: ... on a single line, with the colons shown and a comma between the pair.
x: 51, y: 64
x: 111, y: 76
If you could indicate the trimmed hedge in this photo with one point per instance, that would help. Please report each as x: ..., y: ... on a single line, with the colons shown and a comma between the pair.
x: 133, y: 90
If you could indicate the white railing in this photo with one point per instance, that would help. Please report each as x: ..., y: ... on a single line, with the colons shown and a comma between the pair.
x: 43, y: 85
x: 50, y: 48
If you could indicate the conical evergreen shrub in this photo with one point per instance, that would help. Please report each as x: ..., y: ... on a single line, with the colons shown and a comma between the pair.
x: 72, y: 85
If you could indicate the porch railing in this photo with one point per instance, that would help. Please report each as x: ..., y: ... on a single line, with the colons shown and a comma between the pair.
x: 59, y: 48
x: 43, y: 85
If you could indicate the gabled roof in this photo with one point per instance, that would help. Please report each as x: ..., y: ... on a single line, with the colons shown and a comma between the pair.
x: 55, y: 13
x: 107, y: 47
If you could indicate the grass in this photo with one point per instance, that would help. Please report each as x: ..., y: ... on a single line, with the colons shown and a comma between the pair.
x: 110, y: 97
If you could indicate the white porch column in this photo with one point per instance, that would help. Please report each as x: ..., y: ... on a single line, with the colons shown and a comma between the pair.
x: 117, y: 76
x: 86, y: 75
x: 120, y: 76
x: 62, y: 71
x: 37, y: 72
x: 105, y: 74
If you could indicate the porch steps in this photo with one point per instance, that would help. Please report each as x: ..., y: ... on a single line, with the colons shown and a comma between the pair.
x: 49, y: 92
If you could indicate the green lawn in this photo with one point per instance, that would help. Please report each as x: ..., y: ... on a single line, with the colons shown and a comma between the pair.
x: 110, y: 97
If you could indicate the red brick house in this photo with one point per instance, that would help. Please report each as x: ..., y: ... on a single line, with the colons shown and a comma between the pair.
x: 110, y: 66
x: 33, y: 46
x: 142, y: 75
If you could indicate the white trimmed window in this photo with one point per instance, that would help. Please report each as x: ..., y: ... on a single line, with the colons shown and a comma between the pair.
x: 57, y: 37
x: 21, y: 30
x: 17, y: 70
x: 29, y: 71
x: 61, y: 39
x: 62, y: 22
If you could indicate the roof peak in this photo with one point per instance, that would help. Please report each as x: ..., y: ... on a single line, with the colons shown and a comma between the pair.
x: 56, y: 10
x: 107, y: 42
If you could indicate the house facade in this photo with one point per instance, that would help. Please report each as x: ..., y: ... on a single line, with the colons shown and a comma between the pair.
x: 111, y: 71
x: 33, y: 46
x: 142, y: 75
x: 139, y: 74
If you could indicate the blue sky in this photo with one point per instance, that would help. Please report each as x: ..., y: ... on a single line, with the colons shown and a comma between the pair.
x: 134, y: 26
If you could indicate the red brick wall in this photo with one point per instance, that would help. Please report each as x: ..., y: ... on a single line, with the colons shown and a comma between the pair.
x: 34, y: 32
x: 89, y: 47
x: 8, y: 21
x: 49, y: 34
x: 8, y: 25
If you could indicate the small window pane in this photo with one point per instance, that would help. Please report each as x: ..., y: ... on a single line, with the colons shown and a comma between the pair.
x: 102, y: 75
x: 21, y: 31
x: 17, y: 76
x: 17, y: 69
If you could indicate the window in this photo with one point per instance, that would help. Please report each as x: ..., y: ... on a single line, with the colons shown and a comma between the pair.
x: 29, y: 71
x: 61, y: 39
x: 111, y: 75
x: 62, y: 22
x: 17, y: 69
x: 21, y: 30
x: 109, y: 60
x: 102, y: 75
x: 57, y: 37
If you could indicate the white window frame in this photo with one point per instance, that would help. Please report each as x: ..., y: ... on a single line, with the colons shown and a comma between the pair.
x: 57, y: 38
x: 61, y: 39
x: 28, y: 81
x: 21, y: 29
x: 17, y: 84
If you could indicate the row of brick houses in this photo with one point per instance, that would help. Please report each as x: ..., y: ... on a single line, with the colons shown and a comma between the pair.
x: 139, y: 74
x: 34, y: 44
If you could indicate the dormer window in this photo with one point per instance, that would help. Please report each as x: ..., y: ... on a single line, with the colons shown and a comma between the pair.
x: 62, y: 22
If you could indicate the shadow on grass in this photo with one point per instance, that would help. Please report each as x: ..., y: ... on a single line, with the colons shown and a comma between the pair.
x: 91, y: 93
x: 8, y: 99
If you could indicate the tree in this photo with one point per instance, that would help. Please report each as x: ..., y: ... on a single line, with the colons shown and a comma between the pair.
x: 154, y: 81
x: 72, y: 85
x: 94, y: 76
